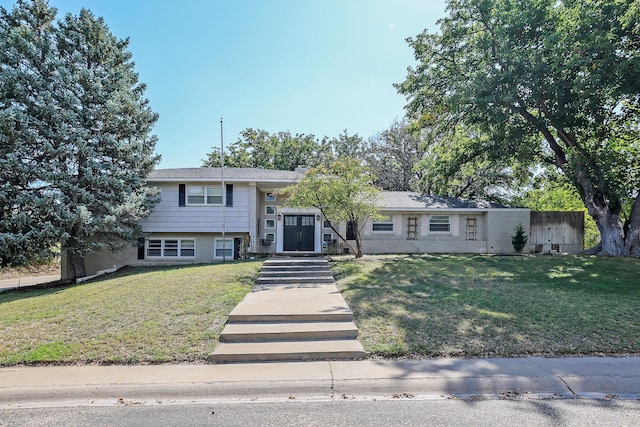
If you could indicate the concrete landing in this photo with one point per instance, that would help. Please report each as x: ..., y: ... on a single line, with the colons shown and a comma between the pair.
x: 294, y: 313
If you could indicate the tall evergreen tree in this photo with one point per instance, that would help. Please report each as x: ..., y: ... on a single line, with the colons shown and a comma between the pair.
x: 107, y: 139
x: 87, y: 127
x: 28, y: 75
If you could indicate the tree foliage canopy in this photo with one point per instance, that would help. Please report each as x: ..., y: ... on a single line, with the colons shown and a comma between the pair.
x: 544, y: 80
x: 76, y: 135
x: 257, y: 148
x: 393, y: 155
x: 343, y: 192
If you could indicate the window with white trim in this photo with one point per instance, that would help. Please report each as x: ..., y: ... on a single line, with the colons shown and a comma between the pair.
x: 327, y: 237
x: 204, y: 195
x: 270, y: 197
x: 270, y: 237
x: 223, y: 248
x: 383, y: 224
x: 440, y: 224
x: 171, y: 248
x: 270, y: 210
x: 269, y: 223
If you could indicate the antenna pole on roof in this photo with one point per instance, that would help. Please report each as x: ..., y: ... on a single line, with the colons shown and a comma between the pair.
x: 222, y: 190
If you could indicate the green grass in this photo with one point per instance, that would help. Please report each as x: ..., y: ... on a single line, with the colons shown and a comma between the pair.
x: 154, y: 315
x: 448, y: 305
x: 405, y: 306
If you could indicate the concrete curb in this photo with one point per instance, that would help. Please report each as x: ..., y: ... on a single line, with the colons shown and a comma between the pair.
x: 520, y: 378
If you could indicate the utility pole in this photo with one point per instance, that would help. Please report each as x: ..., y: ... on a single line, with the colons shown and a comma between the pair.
x: 224, y: 202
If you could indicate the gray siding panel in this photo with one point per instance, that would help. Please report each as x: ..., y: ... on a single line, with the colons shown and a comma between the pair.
x: 168, y: 216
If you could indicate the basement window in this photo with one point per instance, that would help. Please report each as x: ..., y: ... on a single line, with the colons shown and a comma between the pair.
x: 171, y: 248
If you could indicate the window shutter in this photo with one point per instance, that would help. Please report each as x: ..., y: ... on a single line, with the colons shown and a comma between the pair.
x: 229, y: 198
x: 182, y: 189
x: 141, y: 248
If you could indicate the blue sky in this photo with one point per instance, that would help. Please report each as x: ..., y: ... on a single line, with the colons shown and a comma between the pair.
x: 304, y: 66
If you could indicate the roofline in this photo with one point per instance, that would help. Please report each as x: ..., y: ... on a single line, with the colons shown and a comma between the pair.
x: 226, y: 179
x: 432, y: 208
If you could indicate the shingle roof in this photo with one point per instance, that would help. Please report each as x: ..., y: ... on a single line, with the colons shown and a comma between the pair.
x: 411, y: 200
x: 398, y: 200
x: 236, y: 174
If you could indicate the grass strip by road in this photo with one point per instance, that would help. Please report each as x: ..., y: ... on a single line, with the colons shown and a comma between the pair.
x: 451, y: 305
x: 142, y: 315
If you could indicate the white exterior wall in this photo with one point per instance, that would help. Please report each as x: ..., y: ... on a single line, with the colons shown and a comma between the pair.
x: 494, y: 231
x: 500, y: 228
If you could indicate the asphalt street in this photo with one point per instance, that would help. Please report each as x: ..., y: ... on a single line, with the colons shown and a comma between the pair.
x: 403, y: 411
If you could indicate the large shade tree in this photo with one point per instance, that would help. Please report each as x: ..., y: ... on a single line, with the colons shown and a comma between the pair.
x: 257, y: 148
x: 79, y: 128
x: 393, y: 155
x: 545, y: 80
x: 453, y: 166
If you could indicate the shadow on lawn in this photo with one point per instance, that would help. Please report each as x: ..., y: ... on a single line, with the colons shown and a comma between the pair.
x: 448, y: 305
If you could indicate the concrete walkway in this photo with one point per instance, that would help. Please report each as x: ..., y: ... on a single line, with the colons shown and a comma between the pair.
x: 507, y: 378
x: 295, y: 312
x: 19, y: 282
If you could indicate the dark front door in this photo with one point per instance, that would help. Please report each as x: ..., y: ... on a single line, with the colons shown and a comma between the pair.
x: 299, y: 232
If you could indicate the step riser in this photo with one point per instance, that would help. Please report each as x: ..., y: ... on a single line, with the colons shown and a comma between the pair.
x: 290, y: 336
x: 285, y: 266
x: 287, y: 357
x: 271, y: 264
x: 303, y: 273
x: 294, y: 280
x: 290, y: 318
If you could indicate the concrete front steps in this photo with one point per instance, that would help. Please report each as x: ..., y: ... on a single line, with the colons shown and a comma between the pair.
x: 300, y: 270
x: 295, y: 312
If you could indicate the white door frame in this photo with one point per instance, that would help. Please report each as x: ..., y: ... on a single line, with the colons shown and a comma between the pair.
x: 317, y: 235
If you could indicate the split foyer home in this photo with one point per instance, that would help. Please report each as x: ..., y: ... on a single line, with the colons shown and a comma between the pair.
x: 196, y: 205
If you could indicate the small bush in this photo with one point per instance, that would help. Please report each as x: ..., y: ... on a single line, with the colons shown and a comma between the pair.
x: 519, y: 240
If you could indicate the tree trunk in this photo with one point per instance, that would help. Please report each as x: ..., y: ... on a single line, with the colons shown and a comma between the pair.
x: 607, y: 219
x: 358, y: 246
x: 632, y: 234
x: 610, y: 227
x: 76, y: 262
x: 335, y: 230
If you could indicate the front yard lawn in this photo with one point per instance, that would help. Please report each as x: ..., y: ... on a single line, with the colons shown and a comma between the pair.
x: 451, y: 305
x: 141, y: 315
x: 404, y: 306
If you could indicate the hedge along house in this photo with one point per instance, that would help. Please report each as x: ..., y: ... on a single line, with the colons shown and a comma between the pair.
x: 186, y: 226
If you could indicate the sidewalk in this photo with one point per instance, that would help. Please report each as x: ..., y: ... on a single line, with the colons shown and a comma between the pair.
x: 19, y: 282
x: 510, y: 378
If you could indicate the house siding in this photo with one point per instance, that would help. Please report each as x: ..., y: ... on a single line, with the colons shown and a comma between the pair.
x: 168, y: 216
